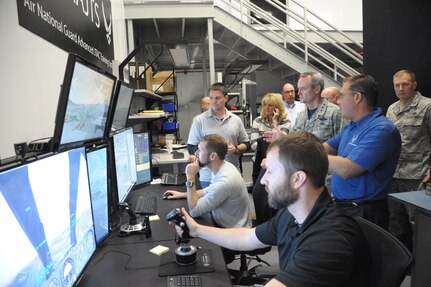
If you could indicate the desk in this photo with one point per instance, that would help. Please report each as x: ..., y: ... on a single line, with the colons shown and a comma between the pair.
x: 421, y: 275
x: 166, y: 158
x: 126, y: 261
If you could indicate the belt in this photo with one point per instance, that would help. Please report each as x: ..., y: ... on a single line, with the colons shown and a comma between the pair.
x: 356, y: 203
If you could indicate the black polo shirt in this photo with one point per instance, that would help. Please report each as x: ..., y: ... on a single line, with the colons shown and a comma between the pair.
x: 328, y: 249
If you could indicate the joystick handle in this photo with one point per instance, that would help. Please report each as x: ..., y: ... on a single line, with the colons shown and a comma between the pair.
x: 177, y: 217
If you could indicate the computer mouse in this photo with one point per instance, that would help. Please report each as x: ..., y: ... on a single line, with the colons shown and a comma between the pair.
x: 165, y: 196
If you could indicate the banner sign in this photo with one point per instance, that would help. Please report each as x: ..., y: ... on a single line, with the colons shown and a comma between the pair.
x: 83, y: 27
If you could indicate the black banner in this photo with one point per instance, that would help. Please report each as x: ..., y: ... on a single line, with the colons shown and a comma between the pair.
x: 83, y: 27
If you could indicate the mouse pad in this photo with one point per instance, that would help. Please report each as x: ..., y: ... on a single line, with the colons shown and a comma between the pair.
x: 169, y: 267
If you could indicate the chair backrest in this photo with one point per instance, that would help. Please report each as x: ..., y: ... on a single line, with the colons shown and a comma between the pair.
x: 391, y: 260
x: 260, y: 199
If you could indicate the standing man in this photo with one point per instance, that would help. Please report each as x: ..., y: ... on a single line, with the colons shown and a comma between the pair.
x: 364, y: 155
x: 205, y: 104
x: 318, y: 244
x: 321, y: 118
x: 331, y: 94
x: 411, y: 114
x: 292, y: 107
x: 218, y: 120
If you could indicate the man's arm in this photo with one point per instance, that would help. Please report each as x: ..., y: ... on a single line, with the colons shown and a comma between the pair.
x: 232, y: 238
x: 193, y: 195
x: 329, y: 149
x: 344, y: 167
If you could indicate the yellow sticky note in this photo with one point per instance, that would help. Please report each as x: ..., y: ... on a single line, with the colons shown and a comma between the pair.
x: 154, y: 217
x: 159, y: 250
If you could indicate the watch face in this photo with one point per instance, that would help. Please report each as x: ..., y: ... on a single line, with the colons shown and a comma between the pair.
x: 189, y: 183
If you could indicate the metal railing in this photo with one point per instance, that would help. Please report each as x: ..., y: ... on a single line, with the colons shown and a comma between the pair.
x: 297, y: 41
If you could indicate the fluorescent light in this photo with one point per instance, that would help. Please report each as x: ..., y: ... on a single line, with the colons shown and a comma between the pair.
x: 180, y: 55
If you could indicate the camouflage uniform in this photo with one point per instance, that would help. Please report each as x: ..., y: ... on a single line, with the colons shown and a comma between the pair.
x: 414, y: 123
x: 324, y: 124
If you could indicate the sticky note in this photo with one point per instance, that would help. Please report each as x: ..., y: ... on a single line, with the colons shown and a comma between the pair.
x: 159, y: 250
x: 154, y: 217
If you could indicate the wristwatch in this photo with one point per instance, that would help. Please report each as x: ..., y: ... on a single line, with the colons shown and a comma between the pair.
x: 189, y: 183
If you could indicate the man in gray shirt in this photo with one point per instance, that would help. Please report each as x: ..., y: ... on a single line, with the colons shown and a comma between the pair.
x: 226, y: 197
x: 218, y: 120
x: 411, y: 114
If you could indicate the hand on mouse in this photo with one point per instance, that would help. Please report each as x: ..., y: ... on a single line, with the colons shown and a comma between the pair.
x: 173, y: 194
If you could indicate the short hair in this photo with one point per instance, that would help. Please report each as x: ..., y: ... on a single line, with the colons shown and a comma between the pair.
x: 276, y: 100
x: 366, y: 85
x: 303, y: 151
x: 219, y: 87
x: 316, y: 79
x: 405, y: 72
x: 216, y: 143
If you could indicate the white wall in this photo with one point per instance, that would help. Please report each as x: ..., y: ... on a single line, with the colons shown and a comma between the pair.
x: 31, y: 72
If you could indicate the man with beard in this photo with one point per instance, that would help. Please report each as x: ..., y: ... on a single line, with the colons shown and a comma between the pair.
x: 226, y: 197
x: 318, y: 244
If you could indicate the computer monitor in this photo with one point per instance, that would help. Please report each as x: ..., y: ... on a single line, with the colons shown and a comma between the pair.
x: 125, y: 163
x: 143, y: 158
x: 123, y: 97
x: 84, y: 104
x: 46, y: 222
x: 97, y: 164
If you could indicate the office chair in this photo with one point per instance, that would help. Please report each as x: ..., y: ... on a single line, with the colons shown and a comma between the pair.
x: 244, y: 276
x: 391, y: 260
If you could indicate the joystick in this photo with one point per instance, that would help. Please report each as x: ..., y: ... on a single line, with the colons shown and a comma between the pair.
x: 136, y: 225
x: 185, y: 253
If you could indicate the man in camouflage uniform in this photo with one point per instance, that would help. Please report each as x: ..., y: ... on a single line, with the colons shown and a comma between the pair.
x: 411, y: 114
x: 321, y: 118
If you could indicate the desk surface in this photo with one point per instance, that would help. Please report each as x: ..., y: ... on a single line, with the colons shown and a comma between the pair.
x: 167, y: 158
x: 126, y: 261
x: 416, y: 198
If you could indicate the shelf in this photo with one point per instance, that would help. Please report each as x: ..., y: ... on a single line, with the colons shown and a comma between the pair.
x: 148, y: 94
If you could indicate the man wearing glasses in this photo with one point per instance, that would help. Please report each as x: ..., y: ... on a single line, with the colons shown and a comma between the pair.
x: 364, y: 155
x: 411, y: 114
x: 292, y: 107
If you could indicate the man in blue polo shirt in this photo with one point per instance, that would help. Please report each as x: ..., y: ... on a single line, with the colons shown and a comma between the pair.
x: 364, y: 155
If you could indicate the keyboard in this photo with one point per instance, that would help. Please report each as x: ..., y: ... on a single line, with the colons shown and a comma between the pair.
x: 169, y: 179
x: 146, y: 205
x: 184, y: 281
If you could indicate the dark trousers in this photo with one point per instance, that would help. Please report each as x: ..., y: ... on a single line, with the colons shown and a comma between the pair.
x: 375, y: 211
x: 400, y: 215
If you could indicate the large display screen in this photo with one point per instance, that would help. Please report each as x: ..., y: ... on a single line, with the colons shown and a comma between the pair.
x: 122, y: 107
x: 125, y: 163
x: 46, y: 221
x: 84, y: 104
x: 143, y: 158
x: 98, y: 177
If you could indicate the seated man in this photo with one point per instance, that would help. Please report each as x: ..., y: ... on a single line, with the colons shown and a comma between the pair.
x: 318, y: 244
x: 226, y: 197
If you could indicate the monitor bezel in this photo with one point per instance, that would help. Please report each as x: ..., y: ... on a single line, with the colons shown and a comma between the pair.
x: 120, y: 84
x: 142, y: 184
x: 63, y: 99
x: 113, y: 171
x: 49, y: 156
x: 95, y: 149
